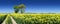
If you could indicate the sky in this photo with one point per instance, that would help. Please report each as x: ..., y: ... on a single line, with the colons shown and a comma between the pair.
x: 34, y: 6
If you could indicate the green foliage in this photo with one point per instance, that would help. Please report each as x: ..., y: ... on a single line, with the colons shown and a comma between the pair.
x: 17, y: 8
x: 8, y: 20
x: 2, y: 18
x: 21, y: 6
x: 37, y: 19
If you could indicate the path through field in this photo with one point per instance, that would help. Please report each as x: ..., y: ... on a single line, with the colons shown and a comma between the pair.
x: 4, y: 21
x: 13, y: 21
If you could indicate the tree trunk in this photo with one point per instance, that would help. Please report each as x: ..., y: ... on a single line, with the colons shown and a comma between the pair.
x: 22, y: 11
x: 16, y: 10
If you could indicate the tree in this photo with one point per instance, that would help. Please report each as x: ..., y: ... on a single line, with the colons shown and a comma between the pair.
x: 16, y: 9
x: 22, y: 7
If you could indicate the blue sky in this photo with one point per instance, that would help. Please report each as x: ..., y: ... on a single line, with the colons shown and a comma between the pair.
x: 35, y: 6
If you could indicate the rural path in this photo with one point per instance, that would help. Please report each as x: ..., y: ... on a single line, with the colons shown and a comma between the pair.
x: 13, y: 21
x: 4, y: 21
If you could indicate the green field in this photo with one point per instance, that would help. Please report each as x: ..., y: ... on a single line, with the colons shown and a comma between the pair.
x: 2, y: 17
x: 34, y: 18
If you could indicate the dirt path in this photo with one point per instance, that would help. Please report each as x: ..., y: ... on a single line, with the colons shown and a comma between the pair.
x: 4, y: 21
x: 13, y: 21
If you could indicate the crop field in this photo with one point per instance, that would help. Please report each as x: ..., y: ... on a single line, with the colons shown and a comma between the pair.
x: 32, y: 18
x: 2, y: 18
x: 8, y: 20
x: 37, y: 18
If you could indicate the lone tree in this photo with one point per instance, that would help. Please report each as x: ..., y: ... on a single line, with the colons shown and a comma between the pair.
x: 20, y: 7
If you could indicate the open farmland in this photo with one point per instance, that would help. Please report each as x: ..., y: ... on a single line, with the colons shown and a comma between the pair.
x: 36, y: 18
x: 31, y: 18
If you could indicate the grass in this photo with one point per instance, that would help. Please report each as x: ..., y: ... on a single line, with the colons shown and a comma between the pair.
x: 2, y: 17
x: 5, y: 17
x: 8, y: 20
x: 37, y: 18
x: 32, y: 18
